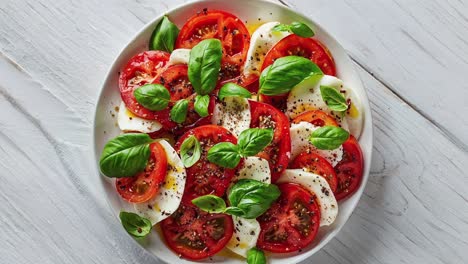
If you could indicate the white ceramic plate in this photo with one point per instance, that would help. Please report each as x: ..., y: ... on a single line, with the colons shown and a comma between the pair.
x: 105, y: 126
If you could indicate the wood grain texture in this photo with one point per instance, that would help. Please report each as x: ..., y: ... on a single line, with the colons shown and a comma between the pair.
x: 54, y: 56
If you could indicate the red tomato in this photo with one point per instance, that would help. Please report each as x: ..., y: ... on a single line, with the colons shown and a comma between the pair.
x: 142, y: 69
x: 314, y: 163
x: 278, y: 101
x: 278, y: 152
x: 349, y: 170
x: 249, y: 82
x: 205, y: 177
x: 224, y: 26
x: 144, y: 186
x: 292, y: 221
x: 305, y: 47
x: 195, y: 234
x: 316, y: 118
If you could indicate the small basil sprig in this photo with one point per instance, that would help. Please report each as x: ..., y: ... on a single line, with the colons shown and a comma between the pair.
x: 135, y: 225
x: 190, y: 151
x: 298, y: 28
x: 250, y: 142
x: 179, y: 111
x: 285, y: 73
x: 248, y: 199
x: 153, y: 96
x: 201, y: 105
x: 232, y: 89
x: 125, y: 155
x: 204, y: 65
x: 333, y: 98
x: 164, y: 36
x: 255, y: 256
x: 328, y: 137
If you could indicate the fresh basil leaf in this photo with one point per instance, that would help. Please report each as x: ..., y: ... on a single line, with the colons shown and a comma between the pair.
x: 282, y: 27
x: 232, y: 89
x: 333, y: 98
x: 164, y: 36
x: 201, y: 105
x: 234, y: 211
x: 125, y: 155
x: 210, y: 203
x: 224, y: 154
x: 204, y: 65
x: 135, y: 225
x: 190, y: 151
x: 253, y: 197
x: 252, y: 141
x: 285, y: 73
x: 328, y: 137
x: 301, y: 29
x: 152, y: 96
x: 256, y: 256
x: 179, y: 111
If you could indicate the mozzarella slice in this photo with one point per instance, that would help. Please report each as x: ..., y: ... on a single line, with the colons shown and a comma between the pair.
x: 254, y: 168
x: 262, y: 40
x: 354, y: 117
x: 179, y: 56
x: 300, y: 134
x: 246, y: 232
x: 317, y: 185
x: 128, y: 122
x: 233, y: 114
x: 168, y: 198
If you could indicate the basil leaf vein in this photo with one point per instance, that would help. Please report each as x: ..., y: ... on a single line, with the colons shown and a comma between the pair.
x: 204, y: 65
x: 179, y: 111
x: 190, y: 151
x: 135, y: 225
x: 254, y: 140
x: 333, y: 98
x: 328, y: 137
x: 164, y: 36
x: 224, y: 154
x: 153, y: 96
x: 232, y: 89
x: 201, y: 105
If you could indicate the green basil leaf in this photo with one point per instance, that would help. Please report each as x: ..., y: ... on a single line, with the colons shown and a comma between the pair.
x: 234, y: 211
x: 204, y: 65
x: 164, y: 36
x: 301, y: 29
x: 179, y: 111
x: 252, y: 141
x: 201, y: 105
x: 232, y: 89
x: 190, y: 151
x: 125, y: 155
x: 285, y: 73
x: 135, y: 225
x: 152, y: 96
x: 224, y: 154
x: 282, y: 27
x: 253, y: 197
x: 256, y: 256
x: 333, y: 98
x: 329, y: 137
x: 210, y: 203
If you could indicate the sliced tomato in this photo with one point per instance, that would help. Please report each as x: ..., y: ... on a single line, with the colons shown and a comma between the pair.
x: 224, y: 26
x: 292, y: 221
x: 205, y: 177
x: 144, y: 186
x: 142, y: 69
x: 278, y: 101
x: 304, y: 47
x: 316, y: 164
x: 278, y: 152
x: 194, y: 234
x: 249, y: 82
x: 316, y: 118
x: 350, y: 169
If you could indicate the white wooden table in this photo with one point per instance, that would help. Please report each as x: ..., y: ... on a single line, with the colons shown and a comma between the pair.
x: 411, y: 54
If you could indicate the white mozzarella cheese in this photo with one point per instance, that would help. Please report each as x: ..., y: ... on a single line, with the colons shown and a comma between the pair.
x: 317, y: 185
x: 128, y: 122
x: 168, y: 198
x: 233, y: 114
x: 254, y: 168
x: 179, y: 56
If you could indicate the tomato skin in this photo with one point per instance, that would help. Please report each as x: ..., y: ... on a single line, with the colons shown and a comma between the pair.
x: 194, y: 234
x: 141, y: 69
x: 279, y: 151
x: 316, y: 118
x: 350, y: 169
x: 205, y: 177
x: 316, y: 164
x: 291, y: 223
x: 145, y: 185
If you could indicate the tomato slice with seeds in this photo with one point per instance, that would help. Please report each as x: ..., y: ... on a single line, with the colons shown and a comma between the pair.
x: 145, y: 185
x: 292, y: 221
x: 316, y: 164
x: 278, y: 152
x: 205, y: 177
x: 195, y: 234
x: 316, y: 118
x: 350, y: 169
x: 141, y: 69
x: 224, y: 26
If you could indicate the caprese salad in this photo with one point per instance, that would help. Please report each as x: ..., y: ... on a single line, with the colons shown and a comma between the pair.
x: 234, y: 138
